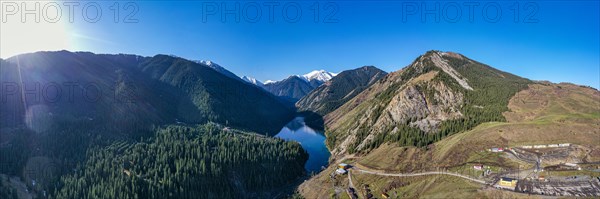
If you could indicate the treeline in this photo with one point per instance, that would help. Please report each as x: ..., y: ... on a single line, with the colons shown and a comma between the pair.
x: 492, y: 90
x: 186, y: 162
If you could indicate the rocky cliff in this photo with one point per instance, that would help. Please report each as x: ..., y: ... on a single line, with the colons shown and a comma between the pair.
x: 439, y: 94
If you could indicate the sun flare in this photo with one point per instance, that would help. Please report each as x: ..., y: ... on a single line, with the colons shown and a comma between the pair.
x: 22, y: 34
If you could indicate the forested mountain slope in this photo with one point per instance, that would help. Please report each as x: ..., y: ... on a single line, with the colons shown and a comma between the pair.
x: 219, y: 98
x: 188, y: 162
x: 129, y: 91
x: 50, y: 88
x: 439, y: 94
x: 501, y: 110
x: 291, y: 89
x: 67, y: 112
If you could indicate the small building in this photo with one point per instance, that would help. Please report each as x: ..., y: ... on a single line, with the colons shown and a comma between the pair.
x: 571, y: 164
x: 510, y: 183
x: 541, y: 178
x: 478, y: 167
x: 341, y: 171
x: 343, y: 166
x: 564, y: 145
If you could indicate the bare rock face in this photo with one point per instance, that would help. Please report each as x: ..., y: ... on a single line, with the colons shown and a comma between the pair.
x: 443, y: 64
x: 421, y: 101
x: 412, y: 106
x: 409, y: 103
x: 445, y: 106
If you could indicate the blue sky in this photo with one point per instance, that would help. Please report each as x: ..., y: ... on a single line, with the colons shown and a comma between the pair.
x: 551, y: 40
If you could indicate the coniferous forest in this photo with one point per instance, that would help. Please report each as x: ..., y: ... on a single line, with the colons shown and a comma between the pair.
x: 181, y: 99
x: 204, y: 161
x: 139, y: 149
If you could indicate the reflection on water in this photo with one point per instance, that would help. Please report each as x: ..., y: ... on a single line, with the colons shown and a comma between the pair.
x: 312, y: 141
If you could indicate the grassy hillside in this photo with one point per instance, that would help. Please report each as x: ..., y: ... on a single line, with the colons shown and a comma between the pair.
x: 565, y: 119
x: 440, y: 94
x: 543, y: 113
x: 497, y: 109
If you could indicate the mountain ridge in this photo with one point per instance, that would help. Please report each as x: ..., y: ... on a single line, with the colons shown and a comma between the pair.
x: 253, y: 81
x: 445, y: 111
x: 218, y: 68
x: 217, y: 99
x: 425, y: 99
x: 315, y: 75
x: 294, y: 87
x: 169, y: 88
x: 339, y: 89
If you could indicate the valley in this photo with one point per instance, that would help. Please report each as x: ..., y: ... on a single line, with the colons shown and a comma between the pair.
x: 444, y: 126
x: 193, y: 99
x: 311, y: 140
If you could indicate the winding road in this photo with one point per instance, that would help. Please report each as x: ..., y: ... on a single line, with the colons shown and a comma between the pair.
x: 420, y: 174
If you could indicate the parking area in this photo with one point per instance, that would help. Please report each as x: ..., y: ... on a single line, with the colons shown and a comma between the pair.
x: 583, y: 188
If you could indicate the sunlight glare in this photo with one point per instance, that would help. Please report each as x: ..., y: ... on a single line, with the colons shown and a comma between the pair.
x: 17, y: 37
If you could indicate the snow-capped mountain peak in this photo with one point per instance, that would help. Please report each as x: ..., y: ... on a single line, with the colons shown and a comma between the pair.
x: 252, y: 80
x: 218, y: 68
x: 315, y: 77
x: 206, y: 62
x: 320, y: 75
